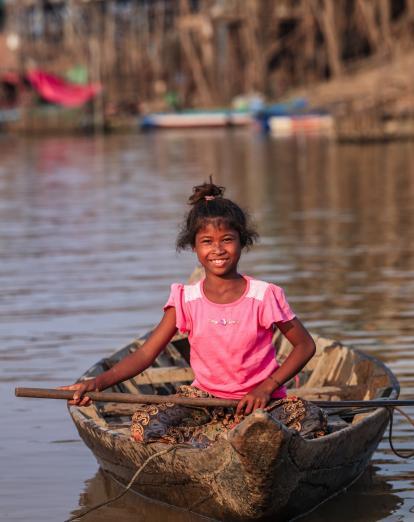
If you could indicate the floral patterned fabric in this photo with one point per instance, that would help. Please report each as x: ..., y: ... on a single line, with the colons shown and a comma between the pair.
x: 200, y: 427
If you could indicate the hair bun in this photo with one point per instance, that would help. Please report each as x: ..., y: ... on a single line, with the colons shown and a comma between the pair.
x: 205, y: 191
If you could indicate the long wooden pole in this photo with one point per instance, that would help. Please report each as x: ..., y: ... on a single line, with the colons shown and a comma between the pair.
x: 132, y: 398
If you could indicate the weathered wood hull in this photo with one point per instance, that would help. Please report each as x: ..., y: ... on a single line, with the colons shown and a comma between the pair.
x: 261, y: 470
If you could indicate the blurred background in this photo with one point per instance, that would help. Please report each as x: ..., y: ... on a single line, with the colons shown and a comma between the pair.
x: 71, y: 64
x: 110, y: 111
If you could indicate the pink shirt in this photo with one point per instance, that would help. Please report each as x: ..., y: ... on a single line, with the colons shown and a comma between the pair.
x: 231, y: 348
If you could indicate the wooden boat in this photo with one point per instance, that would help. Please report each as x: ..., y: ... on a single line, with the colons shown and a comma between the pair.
x: 190, y: 119
x: 261, y: 470
x: 304, y: 124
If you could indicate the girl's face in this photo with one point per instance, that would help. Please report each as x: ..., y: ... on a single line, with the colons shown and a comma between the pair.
x: 218, y: 249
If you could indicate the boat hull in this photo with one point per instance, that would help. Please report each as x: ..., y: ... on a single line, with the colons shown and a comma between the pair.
x: 261, y: 471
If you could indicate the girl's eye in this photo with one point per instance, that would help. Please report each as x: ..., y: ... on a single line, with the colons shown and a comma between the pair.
x: 228, y: 239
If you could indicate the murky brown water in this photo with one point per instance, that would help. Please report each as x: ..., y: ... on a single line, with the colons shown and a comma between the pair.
x: 87, y: 230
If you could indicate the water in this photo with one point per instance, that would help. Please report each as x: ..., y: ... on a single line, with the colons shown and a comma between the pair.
x: 87, y: 229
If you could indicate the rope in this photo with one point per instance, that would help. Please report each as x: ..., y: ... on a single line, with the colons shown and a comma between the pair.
x: 391, y: 410
x: 410, y: 420
x: 136, y: 474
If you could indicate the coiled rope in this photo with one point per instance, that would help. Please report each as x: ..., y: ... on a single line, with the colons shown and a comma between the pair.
x: 410, y: 420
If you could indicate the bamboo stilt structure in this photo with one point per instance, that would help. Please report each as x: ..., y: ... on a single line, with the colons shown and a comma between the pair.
x: 208, y: 52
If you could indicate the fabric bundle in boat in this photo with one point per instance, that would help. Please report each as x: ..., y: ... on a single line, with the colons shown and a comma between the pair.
x: 200, y: 427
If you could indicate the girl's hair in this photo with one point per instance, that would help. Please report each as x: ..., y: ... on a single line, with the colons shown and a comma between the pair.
x: 209, y: 206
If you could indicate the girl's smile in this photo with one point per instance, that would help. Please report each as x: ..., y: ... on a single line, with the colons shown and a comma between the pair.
x: 218, y: 249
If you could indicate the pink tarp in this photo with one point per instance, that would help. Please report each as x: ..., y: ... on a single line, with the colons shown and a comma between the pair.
x: 56, y: 90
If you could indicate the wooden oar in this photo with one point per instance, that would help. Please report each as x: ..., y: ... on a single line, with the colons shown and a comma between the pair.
x: 131, y: 398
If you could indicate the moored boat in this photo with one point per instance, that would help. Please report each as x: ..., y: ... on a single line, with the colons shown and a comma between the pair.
x: 196, y: 119
x: 259, y: 470
x: 303, y: 124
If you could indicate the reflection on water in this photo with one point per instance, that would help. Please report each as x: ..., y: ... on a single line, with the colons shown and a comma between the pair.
x: 87, y: 228
x: 372, y: 490
x: 101, y: 488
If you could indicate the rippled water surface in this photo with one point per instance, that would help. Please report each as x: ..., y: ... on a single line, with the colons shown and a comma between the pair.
x: 87, y: 230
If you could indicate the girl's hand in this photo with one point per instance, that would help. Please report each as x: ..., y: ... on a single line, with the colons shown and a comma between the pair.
x: 130, y: 365
x: 80, y: 388
x: 257, y: 398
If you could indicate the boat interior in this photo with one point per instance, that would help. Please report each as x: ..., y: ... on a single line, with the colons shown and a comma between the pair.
x: 335, y: 373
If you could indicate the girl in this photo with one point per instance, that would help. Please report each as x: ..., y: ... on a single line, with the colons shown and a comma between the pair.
x: 229, y: 318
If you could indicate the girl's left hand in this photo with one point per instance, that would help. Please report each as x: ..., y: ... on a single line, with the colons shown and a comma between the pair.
x: 257, y: 398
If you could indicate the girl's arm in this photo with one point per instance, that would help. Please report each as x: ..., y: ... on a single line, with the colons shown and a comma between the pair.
x: 303, y: 350
x: 130, y: 365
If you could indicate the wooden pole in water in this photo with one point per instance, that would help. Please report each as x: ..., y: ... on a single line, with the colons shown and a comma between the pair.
x: 132, y: 398
x: 95, y: 69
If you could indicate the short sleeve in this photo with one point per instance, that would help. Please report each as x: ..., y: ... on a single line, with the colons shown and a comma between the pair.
x: 176, y: 299
x: 275, y: 307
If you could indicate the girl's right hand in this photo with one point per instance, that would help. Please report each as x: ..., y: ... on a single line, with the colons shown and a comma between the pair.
x: 80, y: 388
